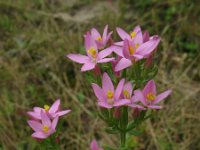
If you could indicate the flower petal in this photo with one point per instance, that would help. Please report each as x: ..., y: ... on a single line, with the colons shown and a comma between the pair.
x: 78, y: 58
x: 147, y: 47
x: 118, y: 50
x: 136, y: 106
x: 119, y: 88
x: 37, y: 109
x: 128, y: 86
x: 45, y: 119
x: 105, y: 52
x: 88, y: 66
x: 137, y: 29
x: 95, y: 34
x: 125, y: 49
x: 40, y: 135
x: 162, y: 96
x: 94, y: 145
x: 35, y: 115
x: 105, y: 32
x: 139, y: 96
x: 122, y: 102
x: 54, y: 108
x: 138, y: 38
x: 98, y: 92
x: 105, y: 60
x: 107, y: 84
x: 155, y: 107
x: 119, y: 43
x: 54, y: 123
x: 122, y: 64
x: 104, y: 105
x: 123, y: 34
x: 145, y: 37
x: 35, y: 125
x: 61, y: 113
x: 150, y: 87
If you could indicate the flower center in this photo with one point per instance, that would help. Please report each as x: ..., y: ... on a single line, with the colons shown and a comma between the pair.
x: 126, y: 94
x: 133, y: 34
x: 92, y: 52
x: 110, y: 101
x: 131, y: 50
x: 150, y: 96
x: 45, y: 128
x: 110, y: 94
x: 137, y: 45
x: 46, y: 108
x: 99, y: 38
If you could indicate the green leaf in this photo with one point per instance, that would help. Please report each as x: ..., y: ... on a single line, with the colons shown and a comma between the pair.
x: 112, y: 131
x: 135, y: 132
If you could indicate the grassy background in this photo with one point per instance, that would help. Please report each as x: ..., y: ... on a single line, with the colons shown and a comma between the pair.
x: 35, y: 37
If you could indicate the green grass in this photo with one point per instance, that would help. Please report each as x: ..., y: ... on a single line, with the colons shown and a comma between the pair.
x: 35, y: 37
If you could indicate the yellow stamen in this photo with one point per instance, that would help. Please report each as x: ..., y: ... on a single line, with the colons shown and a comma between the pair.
x: 99, y: 38
x: 45, y: 128
x: 92, y: 52
x: 150, y: 96
x: 126, y: 94
x: 110, y: 94
x: 137, y: 45
x: 131, y: 50
x: 133, y: 34
x: 46, y: 107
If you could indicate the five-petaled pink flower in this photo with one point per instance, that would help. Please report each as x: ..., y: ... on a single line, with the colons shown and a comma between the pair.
x: 127, y: 94
x: 101, y: 41
x: 94, y: 145
x: 109, y: 97
x: 44, y: 128
x: 148, y: 96
x: 93, y: 56
x: 52, y: 111
x: 134, y: 50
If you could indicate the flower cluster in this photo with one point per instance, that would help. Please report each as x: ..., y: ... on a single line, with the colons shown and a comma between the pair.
x: 122, y: 88
x: 124, y: 82
x: 44, y: 120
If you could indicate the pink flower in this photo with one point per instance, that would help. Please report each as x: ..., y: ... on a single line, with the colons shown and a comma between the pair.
x: 52, y: 111
x: 134, y: 50
x: 107, y: 96
x: 148, y: 96
x: 101, y: 41
x: 44, y: 128
x: 127, y: 94
x: 94, y: 145
x: 93, y: 56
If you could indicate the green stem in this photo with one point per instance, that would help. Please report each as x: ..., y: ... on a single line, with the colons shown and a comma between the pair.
x: 123, y: 138
x: 123, y: 125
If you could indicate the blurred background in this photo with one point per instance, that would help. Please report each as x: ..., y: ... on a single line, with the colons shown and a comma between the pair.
x: 36, y: 35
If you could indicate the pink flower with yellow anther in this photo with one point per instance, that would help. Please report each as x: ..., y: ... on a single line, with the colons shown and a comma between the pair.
x: 93, y: 57
x: 94, y: 145
x: 108, y: 97
x: 44, y: 128
x: 101, y: 41
x: 51, y: 111
x: 127, y: 94
x: 148, y: 96
x: 134, y: 50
